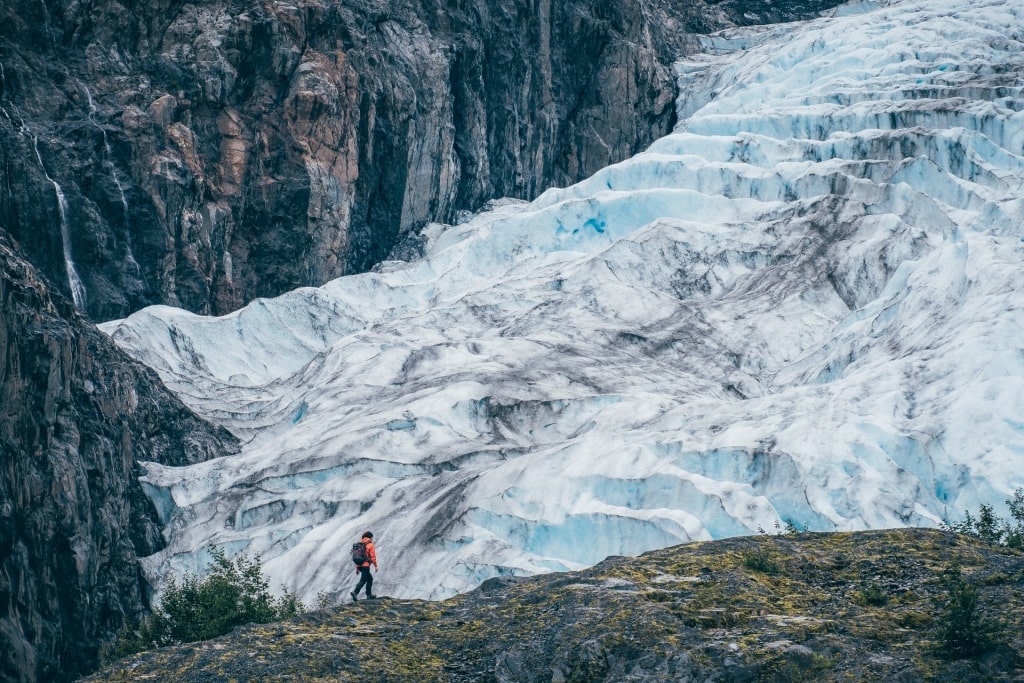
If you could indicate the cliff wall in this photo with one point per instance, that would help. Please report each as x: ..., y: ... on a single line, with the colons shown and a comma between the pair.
x: 76, y: 418
x: 205, y: 153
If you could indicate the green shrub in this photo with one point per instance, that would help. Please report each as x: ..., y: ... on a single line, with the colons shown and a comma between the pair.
x: 780, y: 669
x: 761, y: 561
x: 992, y: 528
x: 963, y: 631
x: 873, y: 595
x: 915, y: 620
x: 190, y: 609
x: 323, y: 600
x: 793, y: 527
x: 658, y: 596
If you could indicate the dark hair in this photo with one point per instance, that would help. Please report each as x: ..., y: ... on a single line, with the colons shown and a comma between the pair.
x: 368, y: 534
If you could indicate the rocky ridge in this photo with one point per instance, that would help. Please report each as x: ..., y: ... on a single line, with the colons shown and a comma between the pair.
x: 76, y: 416
x: 202, y: 154
x: 864, y: 606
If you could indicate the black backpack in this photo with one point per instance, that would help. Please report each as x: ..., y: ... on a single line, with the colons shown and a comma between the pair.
x: 359, y: 554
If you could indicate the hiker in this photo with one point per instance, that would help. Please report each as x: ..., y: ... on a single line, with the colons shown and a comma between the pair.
x: 364, y: 554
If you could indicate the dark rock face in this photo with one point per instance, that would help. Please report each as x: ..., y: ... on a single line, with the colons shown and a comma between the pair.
x: 214, y: 151
x: 76, y: 416
x: 754, y: 12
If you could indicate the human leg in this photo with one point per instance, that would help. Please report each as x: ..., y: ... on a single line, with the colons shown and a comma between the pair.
x: 364, y: 580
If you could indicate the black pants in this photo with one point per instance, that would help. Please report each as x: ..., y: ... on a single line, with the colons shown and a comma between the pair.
x: 364, y: 580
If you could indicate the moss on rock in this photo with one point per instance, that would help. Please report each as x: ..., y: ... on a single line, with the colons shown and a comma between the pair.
x: 691, y: 612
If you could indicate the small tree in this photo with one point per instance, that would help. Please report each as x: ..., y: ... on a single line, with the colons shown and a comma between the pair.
x: 1014, y: 536
x: 793, y: 527
x: 964, y: 526
x: 235, y: 592
x: 990, y: 527
x: 963, y: 631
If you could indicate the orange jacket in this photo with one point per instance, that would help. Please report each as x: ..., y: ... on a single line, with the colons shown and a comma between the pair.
x: 371, y: 551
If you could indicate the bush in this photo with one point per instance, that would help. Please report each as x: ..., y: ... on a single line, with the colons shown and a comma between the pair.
x: 793, y: 527
x: 1014, y: 536
x: 915, y: 620
x: 992, y: 528
x: 963, y: 631
x: 873, y: 595
x: 761, y: 561
x: 190, y: 609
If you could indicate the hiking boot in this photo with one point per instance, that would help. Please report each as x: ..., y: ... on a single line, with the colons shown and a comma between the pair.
x: 371, y: 597
x: 355, y: 598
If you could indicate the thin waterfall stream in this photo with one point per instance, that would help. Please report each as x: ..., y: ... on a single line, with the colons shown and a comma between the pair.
x: 108, y: 161
x: 75, y: 282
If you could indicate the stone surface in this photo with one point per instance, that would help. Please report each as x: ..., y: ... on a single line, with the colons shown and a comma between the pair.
x: 697, y: 612
x: 76, y: 416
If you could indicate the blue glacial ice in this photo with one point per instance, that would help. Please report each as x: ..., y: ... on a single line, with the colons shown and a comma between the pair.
x: 804, y: 304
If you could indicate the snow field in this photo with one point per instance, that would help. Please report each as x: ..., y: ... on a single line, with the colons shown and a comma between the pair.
x: 803, y: 304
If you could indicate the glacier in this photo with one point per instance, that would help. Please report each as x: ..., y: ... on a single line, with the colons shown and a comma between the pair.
x: 804, y: 305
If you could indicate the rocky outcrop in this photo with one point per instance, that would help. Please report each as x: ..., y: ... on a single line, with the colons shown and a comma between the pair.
x: 867, y: 606
x: 205, y: 153
x: 76, y: 417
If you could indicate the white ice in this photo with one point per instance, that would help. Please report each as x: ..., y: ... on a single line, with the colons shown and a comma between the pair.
x: 804, y: 304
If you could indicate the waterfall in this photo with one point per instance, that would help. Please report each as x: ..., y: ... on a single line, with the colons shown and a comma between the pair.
x: 3, y: 79
x: 46, y: 23
x: 19, y: 124
x: 75, y: 282
x: 108, y: 158
x: 108, y: 161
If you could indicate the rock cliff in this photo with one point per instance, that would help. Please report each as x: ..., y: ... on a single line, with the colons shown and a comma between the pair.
x: 76, y: 416
x: 205, y: 153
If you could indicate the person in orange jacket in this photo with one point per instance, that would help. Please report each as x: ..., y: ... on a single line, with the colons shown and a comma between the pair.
x: 364, y: 569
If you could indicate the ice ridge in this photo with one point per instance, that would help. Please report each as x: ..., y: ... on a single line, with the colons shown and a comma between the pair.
x: 803, y: 304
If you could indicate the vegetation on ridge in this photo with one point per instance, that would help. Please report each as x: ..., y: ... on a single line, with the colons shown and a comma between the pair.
x: 989, y: 527
x: 859, y: 606
x: 234, y: 593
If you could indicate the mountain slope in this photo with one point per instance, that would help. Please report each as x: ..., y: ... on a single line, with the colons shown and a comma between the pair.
x: 76, y: 416
x: 866, y: 606
x: 802, y: 304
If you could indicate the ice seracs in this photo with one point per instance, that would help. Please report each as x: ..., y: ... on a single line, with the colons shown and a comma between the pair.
x: 802, y: 305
